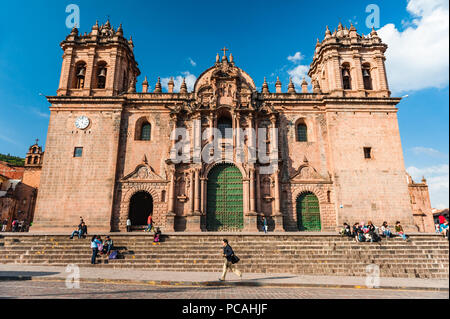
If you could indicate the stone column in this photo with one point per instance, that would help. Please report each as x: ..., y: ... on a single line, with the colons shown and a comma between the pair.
x: 197, y: 191
x: 359, y: 81
x: 250, y: 216
x: 238, y: 148
x: 277, y: 215
x: 67, y: 72
x: 258, y: 192
x: 90, y: 77
x: 193, y: 218
x: 203, y: 199
x: 197, y: 131
x: 191, y: 192
x: 203, y: 195
x: 382, y: 78
x: 170, y: 219
x: 252, y: 190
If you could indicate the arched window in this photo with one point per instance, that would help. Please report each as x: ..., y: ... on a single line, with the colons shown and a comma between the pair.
x: 80, y: 74
x: 35, y: 160
x: 146, y: 130
x: 346, y: 79
x: 101, y: 75
x: 367, y: 79
x: 29, y: 160
x: 223, y: 124
x: 302, y: 132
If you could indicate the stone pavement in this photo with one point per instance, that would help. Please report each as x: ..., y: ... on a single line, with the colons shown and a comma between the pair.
x: 10, y: 272
x: 185, y: 294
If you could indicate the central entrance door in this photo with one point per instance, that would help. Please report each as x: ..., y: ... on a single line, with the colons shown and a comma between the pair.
x: 224, y: 199
x: 141, y: 205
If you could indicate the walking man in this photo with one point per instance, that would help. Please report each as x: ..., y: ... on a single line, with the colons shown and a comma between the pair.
x: 228, y: 254
x: 265, y: 225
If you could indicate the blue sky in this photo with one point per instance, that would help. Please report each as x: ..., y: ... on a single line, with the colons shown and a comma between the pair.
x: 181, y: 38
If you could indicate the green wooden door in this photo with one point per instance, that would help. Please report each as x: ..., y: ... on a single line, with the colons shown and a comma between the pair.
x: 308, y: 212
x: 224, y: 199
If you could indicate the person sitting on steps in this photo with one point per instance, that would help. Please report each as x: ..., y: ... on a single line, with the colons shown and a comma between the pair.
x: 399, y: 230
x: 157, y: 235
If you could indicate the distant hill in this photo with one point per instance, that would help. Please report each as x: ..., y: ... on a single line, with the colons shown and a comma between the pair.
x: 13, y: 160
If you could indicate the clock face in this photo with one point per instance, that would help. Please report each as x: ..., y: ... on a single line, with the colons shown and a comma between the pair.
x: 82, y: 122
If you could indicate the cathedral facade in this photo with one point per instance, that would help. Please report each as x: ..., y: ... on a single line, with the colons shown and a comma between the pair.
x: 225, y: 155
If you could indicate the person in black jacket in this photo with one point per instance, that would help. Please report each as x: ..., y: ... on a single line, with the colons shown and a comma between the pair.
x: 228, y: 254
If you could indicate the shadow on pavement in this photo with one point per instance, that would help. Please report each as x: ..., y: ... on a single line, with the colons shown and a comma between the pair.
x: 23, y: 275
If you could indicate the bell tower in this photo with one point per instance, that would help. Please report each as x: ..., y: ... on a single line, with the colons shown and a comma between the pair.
x: 348, y: 64
x: 100, y: 63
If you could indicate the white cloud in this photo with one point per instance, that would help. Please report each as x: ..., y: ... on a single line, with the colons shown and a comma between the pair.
x: 297, y: 57
x: 298, y: 73
x: 420, y: 150
x: 418, y: 56
x: 190, y: 81
x: 192, y: 62
x: 438, y: 182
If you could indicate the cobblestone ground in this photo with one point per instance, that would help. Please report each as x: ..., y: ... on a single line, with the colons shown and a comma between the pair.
x: 55, y: 290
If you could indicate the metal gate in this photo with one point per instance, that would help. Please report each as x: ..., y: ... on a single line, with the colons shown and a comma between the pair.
x: 308, y: 212
x: 224, y: 199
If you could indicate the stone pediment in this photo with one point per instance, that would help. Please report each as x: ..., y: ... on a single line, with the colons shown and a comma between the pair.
x: 143, y: 172
x: 307, y: 173
x: 224, y: 84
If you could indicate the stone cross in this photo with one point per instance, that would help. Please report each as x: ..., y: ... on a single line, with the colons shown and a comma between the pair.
x: 224, y: 50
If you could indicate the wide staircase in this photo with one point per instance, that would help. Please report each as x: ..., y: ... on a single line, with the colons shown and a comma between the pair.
x: 422, y: 256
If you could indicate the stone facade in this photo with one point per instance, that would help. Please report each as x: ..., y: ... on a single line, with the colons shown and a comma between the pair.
x: 421, y: 205
x: 109, y: 149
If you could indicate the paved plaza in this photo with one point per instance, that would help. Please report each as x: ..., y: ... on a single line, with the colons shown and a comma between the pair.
x: 24, y: 281
x: 58, y: 290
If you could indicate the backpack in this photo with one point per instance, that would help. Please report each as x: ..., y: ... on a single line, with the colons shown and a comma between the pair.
x: 113, y: 255
x: 361, y: 237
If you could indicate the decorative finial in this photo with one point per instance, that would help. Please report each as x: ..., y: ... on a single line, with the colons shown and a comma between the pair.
x: 217, y: 58
x: 278, y: 85
x: 120, y: 30
x: 265, y: 87
x: 158, y: 88
x: 291, y: 86
x: 170, y: 85
x: 304, y: 86
x: 373, y: 33
x: 145, y: 85
x: 183, y: 88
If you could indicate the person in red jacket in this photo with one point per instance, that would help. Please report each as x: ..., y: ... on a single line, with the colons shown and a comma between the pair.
x: 149, y: 223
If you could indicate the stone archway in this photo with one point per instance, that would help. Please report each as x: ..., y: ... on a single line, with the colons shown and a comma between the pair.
x: 141, y: 205
x: 308, y: 212
x: 224, y: 199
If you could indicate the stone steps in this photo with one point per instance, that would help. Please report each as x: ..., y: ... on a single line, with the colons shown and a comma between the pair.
x: 421, y: 256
